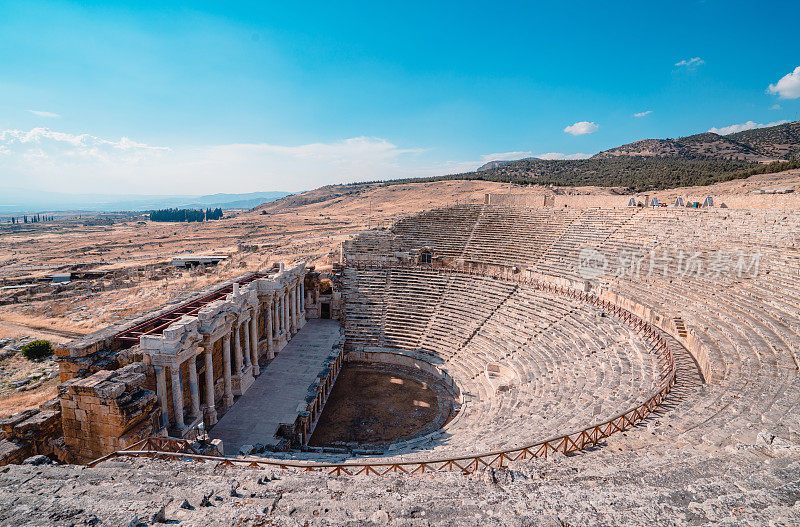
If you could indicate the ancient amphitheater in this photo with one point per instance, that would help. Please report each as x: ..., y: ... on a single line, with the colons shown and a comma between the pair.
x: 593, y: 366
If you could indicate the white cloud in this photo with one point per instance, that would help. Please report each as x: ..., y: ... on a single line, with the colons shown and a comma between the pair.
x: 642, y: 114
x: 691, y: 63
x: 46, y: 159
x: 63, y: 162
x: 581, y: 128
x: 788, y: 87
x: 749, y: 125
x: 559, y: 155
x: 43, y: 143
x: 776, y: 107
x: 505, y: 156
x: 42, y: 113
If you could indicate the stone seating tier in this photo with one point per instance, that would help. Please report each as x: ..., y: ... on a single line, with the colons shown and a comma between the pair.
x: 571, y: 363
x: 741, y: 330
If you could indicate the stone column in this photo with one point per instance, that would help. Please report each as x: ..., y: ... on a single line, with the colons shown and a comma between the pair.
x: 292, y: 311
x: 237, y: 350
x: 280, y: 313
x: 210, y: 410
x: 193, y: 388
x: 254, y: 351
x: 285, y: 300
x: 177, y: 396
x: 246, y: 349
x: 226, y: 368
x: 297, y: 306
x: 277, y: 321
x: 303, y: 297
x: 270, y: 341
x: 161, y: 391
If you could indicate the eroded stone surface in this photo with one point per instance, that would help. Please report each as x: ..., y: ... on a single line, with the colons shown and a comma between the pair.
x: 684, y: 487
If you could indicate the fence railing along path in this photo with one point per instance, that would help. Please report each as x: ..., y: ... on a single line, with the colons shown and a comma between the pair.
x: 180, y: 449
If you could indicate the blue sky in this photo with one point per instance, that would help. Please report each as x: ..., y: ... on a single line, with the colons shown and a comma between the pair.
x: 236, y: 97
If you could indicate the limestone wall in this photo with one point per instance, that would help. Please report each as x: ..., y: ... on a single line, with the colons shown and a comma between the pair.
x: 108, y: 411
x: 711, y: 372
x: 610, y: 201
x: 557, y: 200
x: 408, y: 360
x: 32, y: 432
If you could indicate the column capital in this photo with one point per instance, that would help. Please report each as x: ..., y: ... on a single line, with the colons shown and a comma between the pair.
x: 267, y: 295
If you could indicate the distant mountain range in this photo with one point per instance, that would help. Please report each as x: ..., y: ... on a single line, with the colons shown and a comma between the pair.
x: 776, y: 143
x: 760, y: 145
x: 700, y: 159
x: 15, y: 200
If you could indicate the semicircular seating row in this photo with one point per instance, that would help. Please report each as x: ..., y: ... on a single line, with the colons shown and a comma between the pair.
x: 748, y: 323
x: 570, y: 364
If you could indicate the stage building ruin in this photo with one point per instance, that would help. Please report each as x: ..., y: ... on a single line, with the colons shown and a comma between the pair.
x: 166, y: 372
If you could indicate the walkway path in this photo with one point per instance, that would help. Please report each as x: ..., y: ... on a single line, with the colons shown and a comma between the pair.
x: 275, y: 395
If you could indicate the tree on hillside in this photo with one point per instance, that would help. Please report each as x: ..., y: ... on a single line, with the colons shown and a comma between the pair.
x: 214, y: 214
x: 179, y: 215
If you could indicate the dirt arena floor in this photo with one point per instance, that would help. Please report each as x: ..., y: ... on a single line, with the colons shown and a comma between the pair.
x: 370, y: 405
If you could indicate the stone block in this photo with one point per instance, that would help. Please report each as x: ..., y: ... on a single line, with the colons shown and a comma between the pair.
x: 7, y: 424
x: 12, y: 451
x: 51, y: 404
x: 110, y: 389
x: 90, y: 400
x: 86, y: 386
x: 37, y: 460
x: 40, y: 424
x: 217, y: 444
x: 131, y: 380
